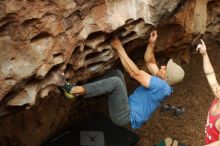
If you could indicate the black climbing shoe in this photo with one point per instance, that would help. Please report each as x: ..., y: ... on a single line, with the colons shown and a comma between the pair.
x: 66, y: 88
x: 176, y: 110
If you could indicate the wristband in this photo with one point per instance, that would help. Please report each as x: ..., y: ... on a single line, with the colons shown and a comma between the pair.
x: 209, y: 73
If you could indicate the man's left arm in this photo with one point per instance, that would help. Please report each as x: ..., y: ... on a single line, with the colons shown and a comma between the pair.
x: 149, y: 54
x: 141, y: 76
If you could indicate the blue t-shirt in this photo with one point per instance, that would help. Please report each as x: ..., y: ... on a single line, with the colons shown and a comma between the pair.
x: 144, y: 101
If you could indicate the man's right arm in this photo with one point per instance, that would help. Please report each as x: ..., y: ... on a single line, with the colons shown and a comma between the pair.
x: 208, y: 69
x: 149, y: 54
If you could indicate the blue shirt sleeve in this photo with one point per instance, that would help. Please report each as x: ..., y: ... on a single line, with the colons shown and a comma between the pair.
x: 159, y: 87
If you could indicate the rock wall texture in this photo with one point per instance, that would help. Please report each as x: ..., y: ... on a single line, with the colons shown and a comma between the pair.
x: 38, y: 39
x: 213, y: 22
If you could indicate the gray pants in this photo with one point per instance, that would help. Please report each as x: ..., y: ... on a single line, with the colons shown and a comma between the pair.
x: 113, y: 85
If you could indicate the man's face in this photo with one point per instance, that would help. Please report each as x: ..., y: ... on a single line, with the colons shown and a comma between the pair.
x: 162, y: 72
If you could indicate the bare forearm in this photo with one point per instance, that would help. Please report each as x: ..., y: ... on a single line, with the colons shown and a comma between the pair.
x: 149, y: 54
x: 127, y: 63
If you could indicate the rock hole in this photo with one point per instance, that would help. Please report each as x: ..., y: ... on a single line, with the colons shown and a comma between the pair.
x: 97, y: 65
x: 69, y: 67
x: 86, y: 48
x: 131, y: 34
x: 129, y: 20
x: 95, y: 34
x: 92, y: 55
x: 42, y: 35
x: 13, y: 58
x: 4, y: 26
x: 76, y: 50
x: 8, y: 78
x: 42, y: 42
x: 29, y: 21
x: 57, y: 55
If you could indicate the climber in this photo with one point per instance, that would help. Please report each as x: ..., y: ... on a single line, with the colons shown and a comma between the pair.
x: 212, y: 128
x: 138, y: 107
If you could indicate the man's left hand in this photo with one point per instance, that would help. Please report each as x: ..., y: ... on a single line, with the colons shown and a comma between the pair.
x: 153, y: 37
x: 116, y: 43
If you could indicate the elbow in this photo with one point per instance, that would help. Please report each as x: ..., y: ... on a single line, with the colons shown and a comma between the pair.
x: 146, y: 59
x: 149, y: 60
x: 134, y: 73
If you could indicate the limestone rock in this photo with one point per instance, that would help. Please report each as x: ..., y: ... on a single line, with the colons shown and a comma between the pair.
x: 213, y: 26
x: 39, y: 37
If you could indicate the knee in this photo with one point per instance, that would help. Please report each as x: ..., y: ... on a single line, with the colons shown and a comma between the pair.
x: 119, y: 73
x: 117, y: 81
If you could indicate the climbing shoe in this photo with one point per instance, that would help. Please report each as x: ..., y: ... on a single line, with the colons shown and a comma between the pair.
x: 65, y: 89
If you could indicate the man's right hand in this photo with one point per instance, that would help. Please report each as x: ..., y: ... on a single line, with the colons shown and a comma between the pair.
x: 201, y: 48
x: 116, y: 43
x: 153, y: 37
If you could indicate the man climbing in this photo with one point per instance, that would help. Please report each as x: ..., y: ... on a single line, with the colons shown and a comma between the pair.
x: 138, y: 107
x: 212, y: 128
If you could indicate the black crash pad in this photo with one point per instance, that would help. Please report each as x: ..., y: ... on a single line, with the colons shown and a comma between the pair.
x: 113, y: 135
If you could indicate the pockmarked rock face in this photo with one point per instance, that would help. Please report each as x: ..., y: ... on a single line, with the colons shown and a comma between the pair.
x: 40, y: 39
x: 213, y: 25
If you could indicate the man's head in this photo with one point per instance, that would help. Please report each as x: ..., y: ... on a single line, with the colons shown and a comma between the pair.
x: 174, y: 73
